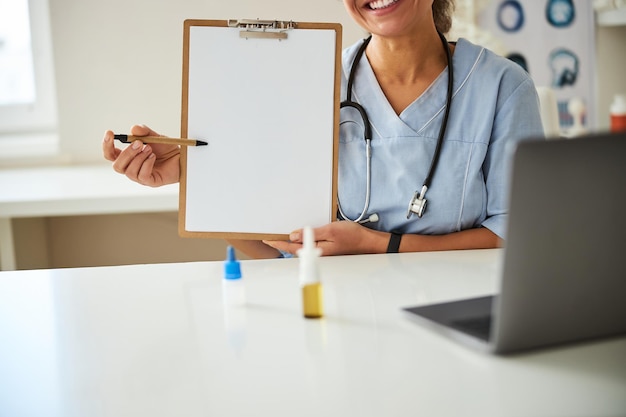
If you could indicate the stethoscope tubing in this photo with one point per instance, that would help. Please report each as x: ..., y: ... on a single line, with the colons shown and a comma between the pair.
x: 367, y: 130
x: 368, y: 185
x: 446, y: 114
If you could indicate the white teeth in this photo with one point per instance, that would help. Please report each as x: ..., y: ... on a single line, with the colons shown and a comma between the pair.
x: 381, y: 4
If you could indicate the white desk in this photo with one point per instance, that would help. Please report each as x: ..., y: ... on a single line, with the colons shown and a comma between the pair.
x: 155, y: 340
x: 72, y: 190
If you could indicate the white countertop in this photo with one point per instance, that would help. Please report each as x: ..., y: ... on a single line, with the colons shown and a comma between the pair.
x: 156, y: 340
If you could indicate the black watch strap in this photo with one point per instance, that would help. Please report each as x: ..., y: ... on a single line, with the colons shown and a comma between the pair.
x: 394, y: 242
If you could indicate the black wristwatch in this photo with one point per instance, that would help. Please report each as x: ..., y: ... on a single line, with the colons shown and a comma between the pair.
x: 394, y: 242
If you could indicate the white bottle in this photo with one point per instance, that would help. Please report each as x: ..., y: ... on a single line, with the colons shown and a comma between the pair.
x: 576, y: 108
x: 312, y: 301
x: 618, y: 113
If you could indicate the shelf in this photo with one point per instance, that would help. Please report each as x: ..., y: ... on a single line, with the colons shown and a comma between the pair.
x: 616, y: 17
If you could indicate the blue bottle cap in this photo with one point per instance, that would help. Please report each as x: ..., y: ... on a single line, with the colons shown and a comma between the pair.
x: 232, y: 267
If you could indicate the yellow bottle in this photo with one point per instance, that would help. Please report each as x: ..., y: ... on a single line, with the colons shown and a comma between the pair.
x: 312, y: 295
x: 312, y: 301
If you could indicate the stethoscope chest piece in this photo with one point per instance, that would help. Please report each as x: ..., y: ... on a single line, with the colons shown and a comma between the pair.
x: 417, y: 205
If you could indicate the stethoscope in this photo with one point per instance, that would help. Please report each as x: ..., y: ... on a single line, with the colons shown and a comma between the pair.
x: 417, y: 205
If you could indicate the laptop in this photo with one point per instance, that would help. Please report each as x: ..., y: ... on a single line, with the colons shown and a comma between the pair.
x: 563, y: 276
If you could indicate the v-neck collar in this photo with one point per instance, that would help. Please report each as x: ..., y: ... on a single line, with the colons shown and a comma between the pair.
x: 418, y: 115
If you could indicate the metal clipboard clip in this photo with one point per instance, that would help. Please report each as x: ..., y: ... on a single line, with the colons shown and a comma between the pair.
x: 267, y: 29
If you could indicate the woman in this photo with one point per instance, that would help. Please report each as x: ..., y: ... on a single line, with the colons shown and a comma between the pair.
x: 402, y: 81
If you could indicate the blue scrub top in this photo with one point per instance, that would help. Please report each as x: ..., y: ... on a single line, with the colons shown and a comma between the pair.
x: 494, y: 105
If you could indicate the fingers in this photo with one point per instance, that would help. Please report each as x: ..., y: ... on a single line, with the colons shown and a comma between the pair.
x: 136, y: 161
x: 284, y: 246
x: 295, y: 241
x: 319, y: 234
x: 296, y: 236
x: 157, y: 148
x: 111, y: 153
x: 145, y: 174
x: 142, y: 130
x: 336, y: 238
x: 130, y: 161
x: 139, y: 168
x: 109, y: 150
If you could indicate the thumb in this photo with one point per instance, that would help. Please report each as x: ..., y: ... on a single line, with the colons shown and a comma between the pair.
x: 142, y: 130
x: 320, y: 234
x: 296, y: 236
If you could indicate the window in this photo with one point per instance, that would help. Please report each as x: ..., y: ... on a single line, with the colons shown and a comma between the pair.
x: 17, y: 82
x: 27, y: 95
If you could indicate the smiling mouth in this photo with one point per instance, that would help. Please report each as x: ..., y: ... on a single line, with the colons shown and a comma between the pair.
x: 381, y: 4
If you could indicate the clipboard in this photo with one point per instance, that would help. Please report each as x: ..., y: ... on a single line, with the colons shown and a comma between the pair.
x: 265, y: 96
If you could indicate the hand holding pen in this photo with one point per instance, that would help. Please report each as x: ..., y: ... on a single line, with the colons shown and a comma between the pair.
x: 160, y: 139
x: 152, y: 164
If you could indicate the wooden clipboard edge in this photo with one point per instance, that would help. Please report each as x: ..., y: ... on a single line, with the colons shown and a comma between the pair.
x: 182, y: 201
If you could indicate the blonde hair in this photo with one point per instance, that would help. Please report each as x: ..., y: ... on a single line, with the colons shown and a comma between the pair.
x: 442, y: 14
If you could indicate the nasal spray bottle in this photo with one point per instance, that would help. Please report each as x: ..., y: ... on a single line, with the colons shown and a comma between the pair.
x: 234, y: 296
x: 233, y: 289
x: 312, y: 302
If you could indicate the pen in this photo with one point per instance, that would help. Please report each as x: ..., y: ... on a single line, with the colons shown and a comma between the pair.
x: 160, y: 139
